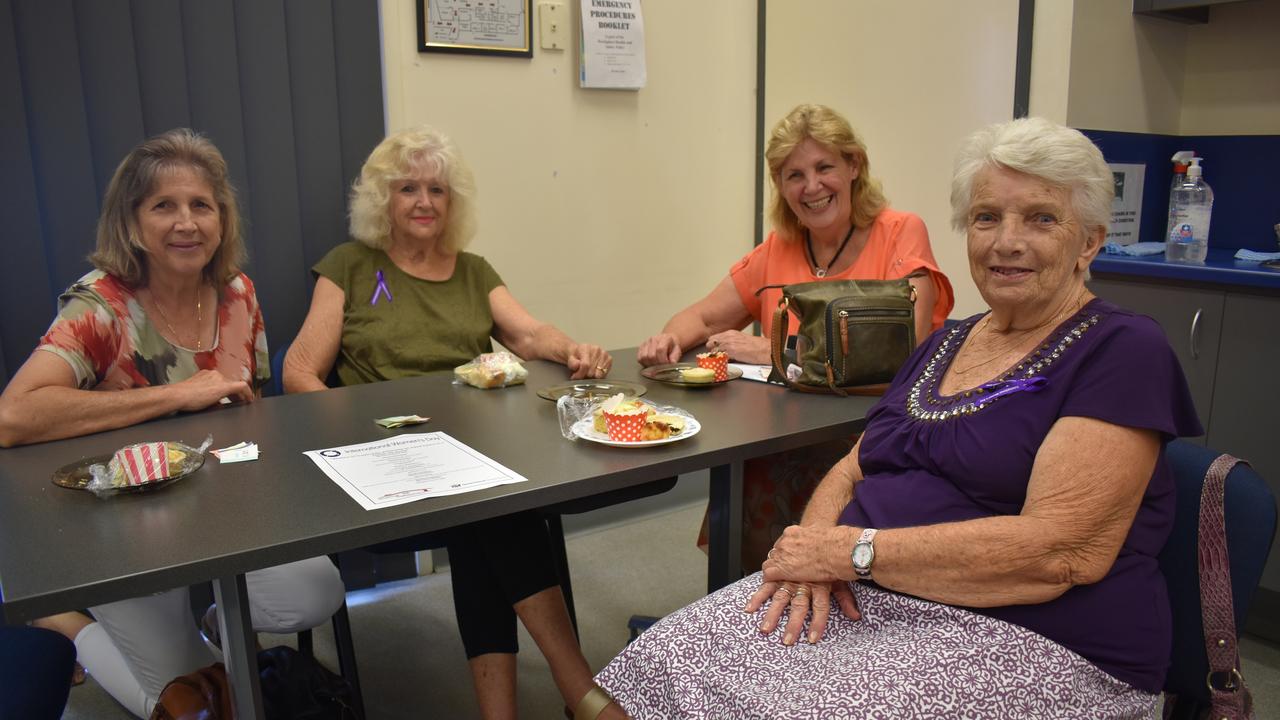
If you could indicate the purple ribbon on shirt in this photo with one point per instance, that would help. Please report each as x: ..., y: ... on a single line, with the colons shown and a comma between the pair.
x: 997, y: 388
x: 380, y: 290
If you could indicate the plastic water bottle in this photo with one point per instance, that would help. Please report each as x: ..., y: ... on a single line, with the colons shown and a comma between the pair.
x: 1190, y: 211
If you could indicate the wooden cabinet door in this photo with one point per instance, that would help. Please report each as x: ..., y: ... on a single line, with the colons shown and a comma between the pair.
x: 1192, y: 320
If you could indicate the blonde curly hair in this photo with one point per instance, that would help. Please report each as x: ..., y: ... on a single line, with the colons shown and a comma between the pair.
x: 401, y: 155
x: 831, y: 129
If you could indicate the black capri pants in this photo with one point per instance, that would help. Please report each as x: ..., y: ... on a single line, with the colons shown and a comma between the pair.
x: 494, y: 564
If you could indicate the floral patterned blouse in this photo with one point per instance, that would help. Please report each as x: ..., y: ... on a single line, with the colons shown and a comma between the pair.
x: 106, y: 337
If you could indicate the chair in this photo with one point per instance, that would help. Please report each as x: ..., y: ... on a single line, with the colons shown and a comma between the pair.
x: 1249, y: 510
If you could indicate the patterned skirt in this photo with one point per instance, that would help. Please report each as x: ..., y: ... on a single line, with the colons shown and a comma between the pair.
x: 906, y: 658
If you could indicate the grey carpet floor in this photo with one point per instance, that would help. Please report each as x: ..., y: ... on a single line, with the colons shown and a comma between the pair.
x: 411, y: 661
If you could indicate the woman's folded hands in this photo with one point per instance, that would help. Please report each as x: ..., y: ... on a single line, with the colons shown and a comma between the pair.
x: 802, y: 575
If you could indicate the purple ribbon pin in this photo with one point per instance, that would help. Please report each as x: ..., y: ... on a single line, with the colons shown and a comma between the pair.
x: 380, y: 290
x: 1006, y: 387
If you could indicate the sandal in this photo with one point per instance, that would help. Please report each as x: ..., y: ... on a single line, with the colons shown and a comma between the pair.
x: 592, y: 704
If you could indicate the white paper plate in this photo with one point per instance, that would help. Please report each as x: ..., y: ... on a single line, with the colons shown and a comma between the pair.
x: 585, y: 429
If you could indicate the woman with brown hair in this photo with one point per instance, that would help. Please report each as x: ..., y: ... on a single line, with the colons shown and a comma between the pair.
x: 166, y: 322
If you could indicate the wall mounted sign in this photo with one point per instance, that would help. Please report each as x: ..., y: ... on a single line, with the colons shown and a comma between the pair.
x: 477, y: 27
x: 612, y: 45
x: 1126, y: 209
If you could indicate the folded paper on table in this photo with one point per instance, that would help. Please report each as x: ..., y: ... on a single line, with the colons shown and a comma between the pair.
x: 240, y: 452
x: 759, y: 373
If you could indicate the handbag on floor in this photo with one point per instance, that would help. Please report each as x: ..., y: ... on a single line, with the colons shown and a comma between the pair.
x: 297, y: 687
x: 201, y: 695
x: 853, y: 336
x: 294, y: 687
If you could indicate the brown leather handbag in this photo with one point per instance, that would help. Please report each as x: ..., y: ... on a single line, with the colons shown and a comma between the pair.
x: 853, y: 337
x: 201, y: 695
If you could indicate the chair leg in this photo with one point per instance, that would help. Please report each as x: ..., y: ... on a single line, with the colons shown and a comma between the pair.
x: 305, y: 645
x: 347, y: 657
x: 561, y: 558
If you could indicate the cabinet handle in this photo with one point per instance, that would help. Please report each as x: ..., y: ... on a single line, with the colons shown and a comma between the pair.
x: 1195, y: 335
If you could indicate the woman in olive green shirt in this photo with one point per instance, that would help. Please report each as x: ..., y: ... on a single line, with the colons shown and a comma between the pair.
x: 406, y: 300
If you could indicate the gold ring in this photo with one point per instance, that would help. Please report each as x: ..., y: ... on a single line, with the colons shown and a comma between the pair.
x: 802, y: 590
x: 787, y: 590
x: 600, y: 368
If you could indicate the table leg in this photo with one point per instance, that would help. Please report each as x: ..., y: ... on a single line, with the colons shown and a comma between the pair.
x: 239, y: 645
x: 724, y: 551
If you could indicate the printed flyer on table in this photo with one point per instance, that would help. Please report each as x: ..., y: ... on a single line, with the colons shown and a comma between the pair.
x: 409, y: 467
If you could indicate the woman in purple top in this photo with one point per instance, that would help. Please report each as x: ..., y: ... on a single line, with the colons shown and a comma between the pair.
x: 988, y: 548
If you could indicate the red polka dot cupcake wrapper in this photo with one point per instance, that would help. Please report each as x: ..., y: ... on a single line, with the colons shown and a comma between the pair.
x: 719, y: 362
x: 624, y: 428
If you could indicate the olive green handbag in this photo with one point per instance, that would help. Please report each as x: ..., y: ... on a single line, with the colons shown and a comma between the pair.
x: 853, y: 334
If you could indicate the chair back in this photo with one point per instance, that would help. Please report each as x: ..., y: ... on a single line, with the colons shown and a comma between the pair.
x: 1249, y: 511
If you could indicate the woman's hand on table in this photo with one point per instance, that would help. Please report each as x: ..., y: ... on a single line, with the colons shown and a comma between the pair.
x: 208, y: 387
x: 740, y: 346
x: 658, y: 350
x: 588, y: 361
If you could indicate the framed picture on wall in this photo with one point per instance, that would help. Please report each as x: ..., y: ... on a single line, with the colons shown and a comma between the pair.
x: 476, y: 27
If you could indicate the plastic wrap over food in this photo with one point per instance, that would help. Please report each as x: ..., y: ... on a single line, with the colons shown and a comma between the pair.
x: 135, y: 467
x: 621, y: 418
x: 491, y: 370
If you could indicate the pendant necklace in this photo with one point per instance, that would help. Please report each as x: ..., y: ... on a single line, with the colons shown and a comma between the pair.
x: 173, y: 331
x: 813, y: 259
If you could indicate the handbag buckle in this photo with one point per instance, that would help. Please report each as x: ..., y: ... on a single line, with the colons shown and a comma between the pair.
x: 1233, y: 680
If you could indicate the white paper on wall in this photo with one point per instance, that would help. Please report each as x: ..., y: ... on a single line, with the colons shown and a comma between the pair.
x: 612, y: 45
x: 1126, y: 209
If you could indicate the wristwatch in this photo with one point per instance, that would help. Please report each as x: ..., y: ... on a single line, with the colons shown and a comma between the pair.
x: 863, y: 554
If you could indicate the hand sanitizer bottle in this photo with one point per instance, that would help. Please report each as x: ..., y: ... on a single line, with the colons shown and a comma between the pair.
x: 1190, y: 210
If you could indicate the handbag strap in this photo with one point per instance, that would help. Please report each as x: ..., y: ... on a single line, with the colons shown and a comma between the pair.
x: 1229, y: 696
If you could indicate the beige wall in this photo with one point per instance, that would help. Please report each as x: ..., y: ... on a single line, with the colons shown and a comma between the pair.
x: 1126, y: 70
x: 914, y: 77
x: 1150, y: 75
x: 1051, y: 60
x: 1231, y: 84
x: 604, y: 211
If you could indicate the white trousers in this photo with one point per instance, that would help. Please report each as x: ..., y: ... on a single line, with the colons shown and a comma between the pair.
x: 138, y: 645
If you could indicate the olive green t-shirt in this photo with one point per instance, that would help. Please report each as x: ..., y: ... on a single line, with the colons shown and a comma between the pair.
x: 413, y: 327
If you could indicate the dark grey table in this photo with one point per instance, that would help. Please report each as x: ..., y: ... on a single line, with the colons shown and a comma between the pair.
x: 63, y: 549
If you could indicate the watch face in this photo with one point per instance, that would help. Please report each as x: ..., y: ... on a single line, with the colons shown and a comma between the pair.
x: 862, y: 554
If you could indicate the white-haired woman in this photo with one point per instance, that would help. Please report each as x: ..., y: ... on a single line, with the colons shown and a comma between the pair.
x: 988, y: 548
x: 407, y: 300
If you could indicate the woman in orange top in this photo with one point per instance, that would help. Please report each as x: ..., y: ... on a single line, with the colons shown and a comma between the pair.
x: 831, y: 221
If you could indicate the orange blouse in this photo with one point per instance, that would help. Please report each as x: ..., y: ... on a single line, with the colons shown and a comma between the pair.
x: 898, y: 246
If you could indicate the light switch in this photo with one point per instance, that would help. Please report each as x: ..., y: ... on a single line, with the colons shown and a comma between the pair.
x: 552, y: 22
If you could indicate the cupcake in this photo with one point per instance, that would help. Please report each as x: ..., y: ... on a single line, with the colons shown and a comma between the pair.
x: 623, y: 418
x: 717, y: 362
